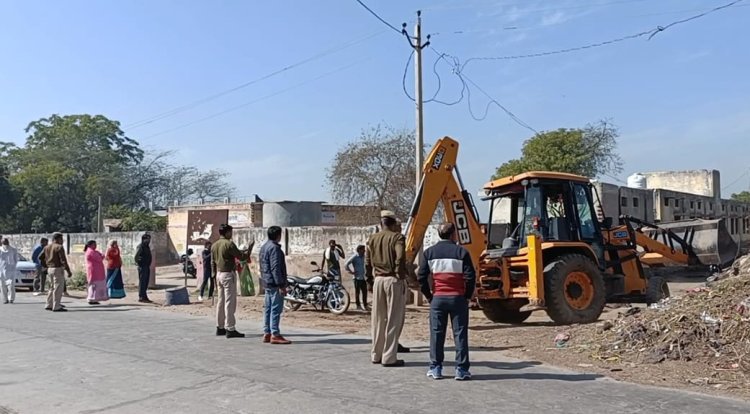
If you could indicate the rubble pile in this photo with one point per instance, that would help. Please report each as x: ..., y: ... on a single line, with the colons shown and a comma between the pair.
x: 708, y: 326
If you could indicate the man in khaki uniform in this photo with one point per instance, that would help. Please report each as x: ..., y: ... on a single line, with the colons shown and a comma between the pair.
x: 223, y: 266
x: 54, y: 259
x: 385, y: 263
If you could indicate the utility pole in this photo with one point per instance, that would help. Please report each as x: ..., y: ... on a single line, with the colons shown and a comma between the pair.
x: 99, y: 216
x: 418, y: 96
x: 416, y: 44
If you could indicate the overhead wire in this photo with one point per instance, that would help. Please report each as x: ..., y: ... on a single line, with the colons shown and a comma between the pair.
x: 263, y: 98
x: 196, y: 103
x: 378, y: 17
x: 650, y: 33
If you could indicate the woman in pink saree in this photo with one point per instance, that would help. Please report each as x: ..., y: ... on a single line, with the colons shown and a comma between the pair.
x: 95, y: 274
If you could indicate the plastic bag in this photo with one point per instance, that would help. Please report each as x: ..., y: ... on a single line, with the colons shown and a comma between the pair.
x: 247, y: 287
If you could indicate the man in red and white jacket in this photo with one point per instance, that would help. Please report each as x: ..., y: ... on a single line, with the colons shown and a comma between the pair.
x: 453, y: 281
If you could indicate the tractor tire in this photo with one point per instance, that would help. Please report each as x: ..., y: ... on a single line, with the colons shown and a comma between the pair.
x: 574, y: 290
x: 504, y: 310
x: 656, y: 290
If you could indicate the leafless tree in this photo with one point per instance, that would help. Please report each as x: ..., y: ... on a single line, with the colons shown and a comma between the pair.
x: 377, y: 168
x: 211, y: 186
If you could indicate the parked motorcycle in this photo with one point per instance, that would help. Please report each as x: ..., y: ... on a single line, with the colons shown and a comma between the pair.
x: 321, y: 291
x: 188, y: 267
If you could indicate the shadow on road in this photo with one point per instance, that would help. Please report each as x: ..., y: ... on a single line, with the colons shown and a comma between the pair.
x: 334, y: 341
x: 535, y: 376
x: 506, y: 326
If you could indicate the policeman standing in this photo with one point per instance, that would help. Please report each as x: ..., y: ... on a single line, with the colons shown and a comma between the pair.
x: 385, y: 264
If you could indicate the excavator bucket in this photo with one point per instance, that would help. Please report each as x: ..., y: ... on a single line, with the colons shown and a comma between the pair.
x: 709, y: 239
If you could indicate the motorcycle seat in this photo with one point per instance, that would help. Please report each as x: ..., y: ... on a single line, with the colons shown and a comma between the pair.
x: 302, y: 281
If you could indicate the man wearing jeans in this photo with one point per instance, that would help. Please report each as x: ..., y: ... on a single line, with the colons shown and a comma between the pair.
x: 273, y: 276
x: 453, y: 281
x: 223, y: 255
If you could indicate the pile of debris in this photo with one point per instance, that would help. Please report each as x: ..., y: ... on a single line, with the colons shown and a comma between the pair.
x: 709, y: 326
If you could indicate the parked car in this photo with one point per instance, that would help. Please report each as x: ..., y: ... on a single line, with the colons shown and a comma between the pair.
x: 26, y: 270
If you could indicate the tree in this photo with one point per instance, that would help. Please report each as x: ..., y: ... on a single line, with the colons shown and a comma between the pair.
x: 211, y: 186
x: 743, y: 196
x: 377, y: 168
x: 589, y: 151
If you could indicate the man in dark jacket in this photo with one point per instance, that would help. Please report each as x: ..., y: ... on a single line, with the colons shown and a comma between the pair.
x: 453, y: 284
x: 273, y: 276
x: 143, y: 260
x: 207, y: 272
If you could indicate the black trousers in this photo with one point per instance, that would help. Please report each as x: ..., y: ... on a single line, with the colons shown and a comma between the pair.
x: 144, y: 277
x: 457, y: 309
x: 360, y: 288
x: 210, y: 280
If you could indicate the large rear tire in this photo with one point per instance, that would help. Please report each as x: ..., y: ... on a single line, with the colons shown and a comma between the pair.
x: 574, y: 290
x: 504, y: 310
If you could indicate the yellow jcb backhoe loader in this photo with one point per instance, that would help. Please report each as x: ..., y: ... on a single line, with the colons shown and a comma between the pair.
x: 549, y: 251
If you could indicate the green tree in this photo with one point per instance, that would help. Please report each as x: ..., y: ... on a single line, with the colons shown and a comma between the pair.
x: 588, y: 151
x: 68, y: 162
x: 143, y: 220
x: 743, y: 196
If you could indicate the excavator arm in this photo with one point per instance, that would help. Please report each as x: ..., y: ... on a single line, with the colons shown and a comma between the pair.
x: 441, y: 182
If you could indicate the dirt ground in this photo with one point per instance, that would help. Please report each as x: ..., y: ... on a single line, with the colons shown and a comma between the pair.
x: 533, y: 341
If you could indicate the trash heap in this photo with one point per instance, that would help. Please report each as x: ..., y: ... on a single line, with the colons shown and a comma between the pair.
x: 709, y: 326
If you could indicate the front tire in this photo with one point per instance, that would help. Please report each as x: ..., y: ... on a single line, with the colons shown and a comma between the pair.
x: 337, y: 301
x: 657, y: 290
x: 573, y: 290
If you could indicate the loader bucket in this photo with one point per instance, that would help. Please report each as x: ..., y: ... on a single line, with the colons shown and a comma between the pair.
x: 709, y: 239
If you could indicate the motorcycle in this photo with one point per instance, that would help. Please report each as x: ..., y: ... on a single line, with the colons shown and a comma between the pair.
x: 188, y: 267
x: 321, y: 291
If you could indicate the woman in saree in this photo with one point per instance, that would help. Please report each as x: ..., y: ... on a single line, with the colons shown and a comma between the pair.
x: 97, y: 289
x: 115, y: 286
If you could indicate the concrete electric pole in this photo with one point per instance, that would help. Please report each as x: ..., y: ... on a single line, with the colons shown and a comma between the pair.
x: 418, y: 96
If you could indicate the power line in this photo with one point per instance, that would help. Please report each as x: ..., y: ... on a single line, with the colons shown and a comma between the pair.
x: 650, y: 33
x: 379, y: 18
x: 263, y: 98
x: 512, y: 116
x: 206, y: 99
x: 737, y: 180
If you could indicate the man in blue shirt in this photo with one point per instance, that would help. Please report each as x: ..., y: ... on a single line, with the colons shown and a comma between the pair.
x: 356, y: 267
x: 40, y: 278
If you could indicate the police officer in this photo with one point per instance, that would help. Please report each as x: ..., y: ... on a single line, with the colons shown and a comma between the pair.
x: 385, y: 264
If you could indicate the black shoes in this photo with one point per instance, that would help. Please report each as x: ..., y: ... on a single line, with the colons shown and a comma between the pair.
x: 60, y: 310
x: 398, y: 363
x: 221, y: 331
x: 235, y: 334
x: 403, y: 350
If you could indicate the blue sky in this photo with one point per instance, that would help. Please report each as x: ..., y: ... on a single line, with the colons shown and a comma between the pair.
x: 680, y: 99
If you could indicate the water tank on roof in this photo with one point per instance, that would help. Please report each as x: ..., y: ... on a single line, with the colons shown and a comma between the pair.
x: 291, y: 213
x: 637, y: 180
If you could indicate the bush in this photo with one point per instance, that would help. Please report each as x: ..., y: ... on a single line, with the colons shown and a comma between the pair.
x: 78, y: 281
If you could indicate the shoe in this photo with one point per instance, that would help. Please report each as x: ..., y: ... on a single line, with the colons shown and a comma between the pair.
x: 94, y: 303
x: 146, y: 300
x: 398, y: 363
x: 221, y: 331
x: 279, y: 340
x: 403, y: 350
x: 60, y: 310
x: 200, y: 298
x: 235, y: 334
x: 462, y: 375
x: 375, y: 362
x: 49, y: 309
x: 266, y: 338
x: 435, y: 373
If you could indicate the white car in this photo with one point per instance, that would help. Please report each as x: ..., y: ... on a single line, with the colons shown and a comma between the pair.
x: 26, y: 270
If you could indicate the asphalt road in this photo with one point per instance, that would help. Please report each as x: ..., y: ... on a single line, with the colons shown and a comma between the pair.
x: 126, y: 359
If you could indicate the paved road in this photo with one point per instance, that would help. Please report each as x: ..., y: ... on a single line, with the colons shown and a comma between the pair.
x: 135, y: 360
